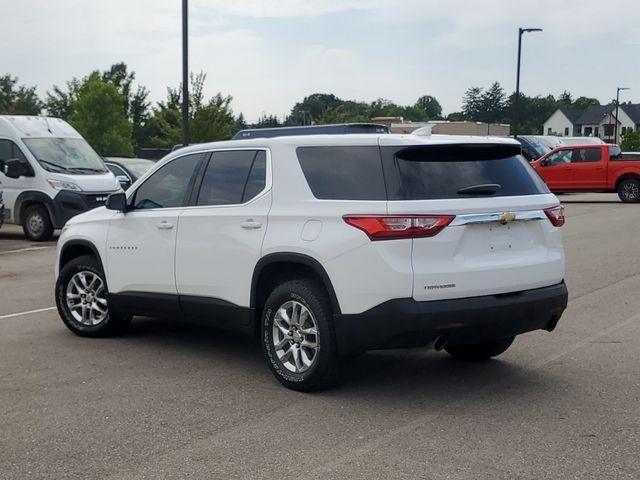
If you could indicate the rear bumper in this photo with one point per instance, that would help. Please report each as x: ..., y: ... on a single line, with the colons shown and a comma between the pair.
x: 408, y: 323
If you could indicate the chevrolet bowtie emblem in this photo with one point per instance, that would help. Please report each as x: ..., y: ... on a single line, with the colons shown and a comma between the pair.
x: 507, y: 217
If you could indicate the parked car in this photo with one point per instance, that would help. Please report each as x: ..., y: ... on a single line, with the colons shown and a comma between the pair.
x: 49, y: 173
x: 128, y: 170
x: 326, y: 246
x: 582, y: 141
x: 332, y: 129
x: 535, y: 146
x: 590, y: 168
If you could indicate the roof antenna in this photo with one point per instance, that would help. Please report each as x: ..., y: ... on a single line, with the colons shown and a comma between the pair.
x: 46, y: 120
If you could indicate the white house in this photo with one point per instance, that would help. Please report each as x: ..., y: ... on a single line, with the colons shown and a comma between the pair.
x: 561, y: 122
x: 594, y: 121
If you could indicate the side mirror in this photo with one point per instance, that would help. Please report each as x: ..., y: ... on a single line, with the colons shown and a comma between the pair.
x: 124, y: 181
x: 14, y: 168
x: 117, y: 201
x: 544, y: 163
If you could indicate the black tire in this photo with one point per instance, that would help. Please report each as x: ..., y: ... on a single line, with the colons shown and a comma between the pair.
x: 106, y: 324
x: 321, y: 372
x: 36, y: 224
x: 480, y: 351
x: 629, y: 190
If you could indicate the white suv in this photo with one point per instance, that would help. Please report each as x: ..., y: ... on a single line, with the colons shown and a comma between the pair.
x: 326, y: 246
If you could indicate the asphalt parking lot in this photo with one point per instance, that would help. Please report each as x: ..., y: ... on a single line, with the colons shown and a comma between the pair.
x: 175, y: 401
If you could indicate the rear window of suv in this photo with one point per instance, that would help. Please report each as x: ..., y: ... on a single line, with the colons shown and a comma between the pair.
x: 458, y: 171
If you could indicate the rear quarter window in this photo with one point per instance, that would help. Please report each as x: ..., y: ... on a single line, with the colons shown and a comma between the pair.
x: 344, y: 172
x: 444, y: 171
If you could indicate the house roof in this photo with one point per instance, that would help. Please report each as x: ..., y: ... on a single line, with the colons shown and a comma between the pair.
x: 633, y: 111
x: 593, y: 115
x: 571, y: 113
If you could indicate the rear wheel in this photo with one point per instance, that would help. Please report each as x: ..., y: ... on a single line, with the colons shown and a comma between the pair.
x: 82, y: 300
x: 480, y: 351
x: 297, y: 335
x: 629, y: 190
x: 36, y: 224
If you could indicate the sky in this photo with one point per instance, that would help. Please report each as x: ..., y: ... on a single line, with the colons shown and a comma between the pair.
x: 270, y: 54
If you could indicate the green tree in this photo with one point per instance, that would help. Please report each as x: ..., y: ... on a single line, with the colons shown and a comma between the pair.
x: 492, y: 104
x: 241, y: 123
x: 630, y: 141
x: 18, y: 99
x: 565, y: 99
x: 430, y: 106
x: 140, y: 116
x: 312, y: 108
x: 532, y: 112
x: 348, y: 112
x: 212, y: 121
x: 455, y: 117
x: 208, y: 121
x: 584, y: 102
x: 100, y: 118
x: 472, y: 104
x: 267, y: 121
x: 119, y: 76
x: 61, y: 103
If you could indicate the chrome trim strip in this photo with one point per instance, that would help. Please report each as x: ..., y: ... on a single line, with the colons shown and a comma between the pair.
x: 498, y: 217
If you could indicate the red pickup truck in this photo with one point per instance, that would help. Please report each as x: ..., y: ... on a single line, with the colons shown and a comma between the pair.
x: 590, y: 168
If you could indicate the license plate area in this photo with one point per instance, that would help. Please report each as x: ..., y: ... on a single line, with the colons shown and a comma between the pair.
x: 500, y: 237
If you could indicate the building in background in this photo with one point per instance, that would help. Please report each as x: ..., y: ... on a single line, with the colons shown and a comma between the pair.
x: 444, y: 127
x: 594, y: 121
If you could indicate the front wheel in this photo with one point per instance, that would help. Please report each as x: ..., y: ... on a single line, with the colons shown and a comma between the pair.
x: 36, y: 224
x: 629, y: 190
x: 297, y: 335
x: 480, y: 351
x: 82, y: 300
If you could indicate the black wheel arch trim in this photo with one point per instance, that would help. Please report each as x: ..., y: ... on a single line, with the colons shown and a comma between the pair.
x: 298, y: 258
x: 80, y: 243
x: 34, y: 196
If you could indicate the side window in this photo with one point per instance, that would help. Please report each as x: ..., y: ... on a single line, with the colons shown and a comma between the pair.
x: 584, y: 155
x: 169, y: 186
x: 257, y: 177
x: 5, y: 150
x: 343, y: 173
x: 9, y: 151
x: 233, y: 177
x: 563, y: 156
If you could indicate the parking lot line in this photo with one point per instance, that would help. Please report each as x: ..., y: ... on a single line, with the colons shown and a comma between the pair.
x: 28, y: 249
x: 28, y: 312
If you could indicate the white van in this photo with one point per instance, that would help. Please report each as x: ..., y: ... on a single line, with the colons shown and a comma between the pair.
x: 49, y: 173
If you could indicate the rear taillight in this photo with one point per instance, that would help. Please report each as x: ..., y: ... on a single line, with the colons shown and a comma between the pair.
x: 556, y: 215
x: 389, y: 227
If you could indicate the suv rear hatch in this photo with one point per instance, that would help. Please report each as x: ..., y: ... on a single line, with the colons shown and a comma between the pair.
x: 501, y: 222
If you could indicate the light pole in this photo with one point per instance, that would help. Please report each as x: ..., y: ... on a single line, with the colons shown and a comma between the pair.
x: 615, y: 135
x: 304, y: 117
x: 515, y: 105
x: 185, y: 73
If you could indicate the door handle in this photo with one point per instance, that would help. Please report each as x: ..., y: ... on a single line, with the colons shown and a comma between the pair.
x: 251, y: 224
x: 165, y: 225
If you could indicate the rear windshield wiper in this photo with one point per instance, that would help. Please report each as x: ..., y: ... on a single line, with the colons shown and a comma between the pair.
x: 484, y: 189
x: 55, y: 165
